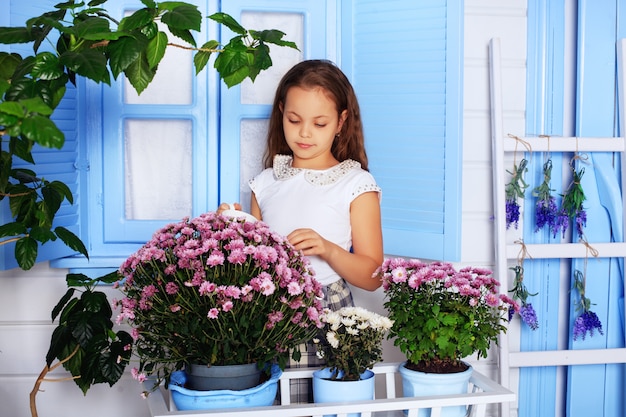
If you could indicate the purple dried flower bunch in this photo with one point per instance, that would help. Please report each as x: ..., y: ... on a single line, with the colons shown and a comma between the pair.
x: 573, y: 201
x: 547, y: 212
x: 526, y: 310
x: 514, y: 190
x: 217, y: 291
x: 587, y: 321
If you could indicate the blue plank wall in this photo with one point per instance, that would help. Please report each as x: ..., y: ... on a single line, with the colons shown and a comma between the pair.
x: 545, y: 92
x: 597, y: 390
x: 590, y: 390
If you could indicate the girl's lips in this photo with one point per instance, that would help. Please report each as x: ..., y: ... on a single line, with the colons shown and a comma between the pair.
x: 304, y: 145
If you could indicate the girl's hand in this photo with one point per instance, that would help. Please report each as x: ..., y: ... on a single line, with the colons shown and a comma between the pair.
x: 225, y: 206
x: 310, y: 242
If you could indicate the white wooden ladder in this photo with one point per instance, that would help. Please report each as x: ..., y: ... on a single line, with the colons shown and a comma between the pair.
x: 504, y: 252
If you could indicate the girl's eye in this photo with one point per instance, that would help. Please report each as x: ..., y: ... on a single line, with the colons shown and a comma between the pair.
x: 320, y: 125
x: 293, y: 121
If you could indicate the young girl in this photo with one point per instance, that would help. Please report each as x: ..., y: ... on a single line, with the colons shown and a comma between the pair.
x: 316, y: 189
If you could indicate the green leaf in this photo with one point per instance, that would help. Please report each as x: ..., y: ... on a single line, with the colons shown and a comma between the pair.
x: 150, y: 30
x: 156, y: 49
x: 139, y: 74
x: 71, y: 4
x: 272, y: 36
x: 93, y: 28
x: 36, y: 105
x: 8, y: 63
x: 71, y: 240
x: 10, y: 35
x: 61, y: 336
x: 262, y: 61
x: 52, y: 199
x: 229, y: 22
x: 111, y: 370
x: 88, y: 63
x: 126, y: 50
x: 77, y: 280
x: 26, y: 252
x: 42, y: 130
x: 47, y: 66
x: 22, y: 148
x: 12, y: 229
x: 201, y: 58
x: 232, y: 63
x: 42, y: 234
x: 184, y: 35
x: 82, y: 330
x: 27, y: 88
x: 59, y: 307
x: 96, y: 302
x: 63, y: 190
x: 109, y: 278
x: 12, y: 108
x: 138, y: 19
x: 183, y: 17
x: 4, y: 85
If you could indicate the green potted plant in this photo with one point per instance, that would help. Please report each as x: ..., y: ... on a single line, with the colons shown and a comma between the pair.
x: 215, y: 290
x: 442, y: 315
x: 350, y: 343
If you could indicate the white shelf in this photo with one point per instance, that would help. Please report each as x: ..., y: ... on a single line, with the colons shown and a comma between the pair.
x: 483, y: 392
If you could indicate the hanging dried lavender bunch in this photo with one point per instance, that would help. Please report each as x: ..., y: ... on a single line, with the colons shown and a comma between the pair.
x: 546, y: 210
x: 573, y: 201
x: 588, y: 321
x: 514, y: 190
x: 526, y: 311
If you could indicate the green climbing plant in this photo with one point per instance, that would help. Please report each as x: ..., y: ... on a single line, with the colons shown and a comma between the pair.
x: 87, y: 42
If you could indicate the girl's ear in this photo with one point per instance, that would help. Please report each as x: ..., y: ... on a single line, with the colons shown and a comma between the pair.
x: 343, y: 116
x: 280, y: 106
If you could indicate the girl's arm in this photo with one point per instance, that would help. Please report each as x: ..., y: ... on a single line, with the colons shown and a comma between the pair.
x: 367, y: 244
x: 254, y: 207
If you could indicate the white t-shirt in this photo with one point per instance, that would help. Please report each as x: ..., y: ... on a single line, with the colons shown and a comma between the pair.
x: 294, y: 198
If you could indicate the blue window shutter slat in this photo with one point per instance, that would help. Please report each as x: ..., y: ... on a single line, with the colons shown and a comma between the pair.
x: 406, y: 68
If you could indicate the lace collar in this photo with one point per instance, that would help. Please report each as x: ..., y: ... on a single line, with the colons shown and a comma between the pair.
x: 283, y: 170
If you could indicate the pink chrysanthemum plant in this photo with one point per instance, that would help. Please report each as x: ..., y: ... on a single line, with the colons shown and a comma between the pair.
x: 217, y: 291
x: 442, y: 315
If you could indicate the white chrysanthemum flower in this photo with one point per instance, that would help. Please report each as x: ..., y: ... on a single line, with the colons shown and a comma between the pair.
x: 352, y: 331
x: 332, y: 339
x: 348, y: 322
x: 363, y: 325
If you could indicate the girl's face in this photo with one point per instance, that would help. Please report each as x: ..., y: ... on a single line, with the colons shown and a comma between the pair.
x: 310, y: 123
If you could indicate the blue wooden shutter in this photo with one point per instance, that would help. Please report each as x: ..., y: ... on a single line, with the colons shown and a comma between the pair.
x: 405, y: 61
x: 52, y: 164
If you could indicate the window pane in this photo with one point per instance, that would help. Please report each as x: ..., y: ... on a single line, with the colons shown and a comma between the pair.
x: 158, y: 169
x: 263, y: 89
x: 253, y: 132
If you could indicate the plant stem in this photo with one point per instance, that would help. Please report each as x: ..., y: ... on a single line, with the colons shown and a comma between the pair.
x: 42, y: 377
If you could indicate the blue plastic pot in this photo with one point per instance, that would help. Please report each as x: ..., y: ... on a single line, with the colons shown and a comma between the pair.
x: 188, y: 399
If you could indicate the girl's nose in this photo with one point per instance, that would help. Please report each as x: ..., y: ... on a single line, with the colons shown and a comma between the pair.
x: 305, y: 131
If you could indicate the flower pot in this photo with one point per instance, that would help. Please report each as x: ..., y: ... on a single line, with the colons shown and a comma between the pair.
x: 218, y: 377
x: 326, y: 390
x: 421, y: 384
x: 188, y: 399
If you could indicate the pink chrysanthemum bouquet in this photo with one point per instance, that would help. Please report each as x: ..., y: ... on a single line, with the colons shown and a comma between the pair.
x: 217, y: 291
